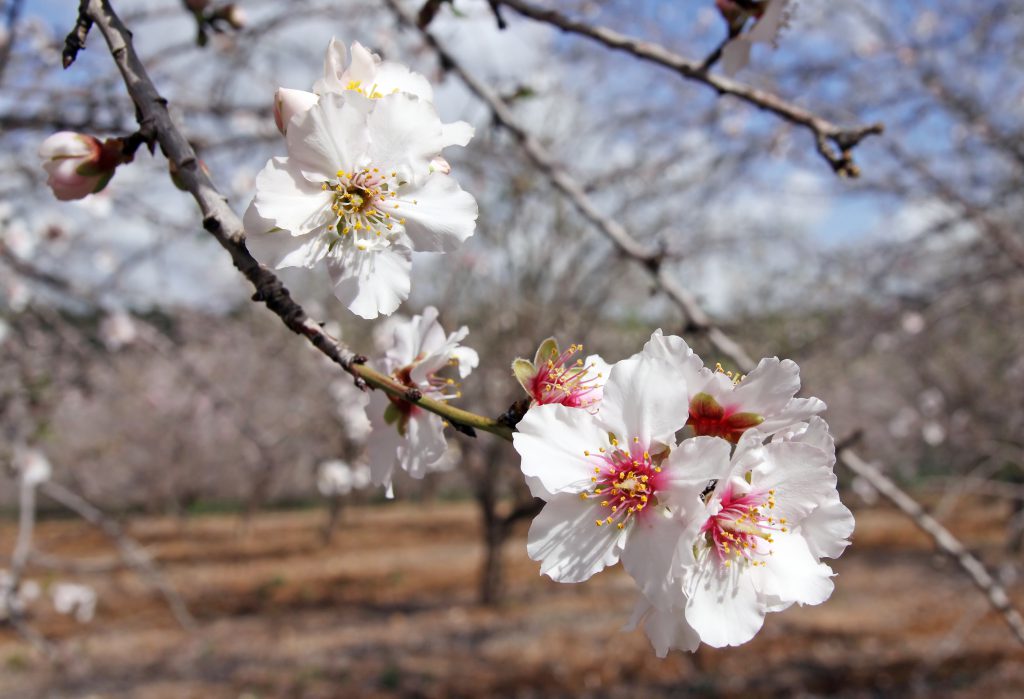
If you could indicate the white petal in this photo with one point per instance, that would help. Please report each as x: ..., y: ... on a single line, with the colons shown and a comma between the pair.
x: 814, y: 432
x: 690, y: 468
x: 828, y: 528
x: 736, y: 55
x: 797, y: 410
x: 568, y: 543
x: 792, y: 574
x: 645, y: 397
x: 404, y: 131
x: 673, y: 348
x: 411, y: 338
x: 665, y: 629
x: 457, y: 133
x: 723, y: 605
x: 332, y: 135
x: 767, y: 389
x: 551, y: 441
x: 362, y: 69
x: 308, y: 251
x: 767, y: 28
x: 392, y: 77
x: 800, y: 474
x: 658, y: 549
x: 334, y: 66
x: 371, y: 282
x: 383, y: 442
x: 439, y: 215
x: 424, y: 443
x: 467, y: 359
x: 289, y: 200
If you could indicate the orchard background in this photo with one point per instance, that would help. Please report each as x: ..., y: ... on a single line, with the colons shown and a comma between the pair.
x: 767, y: 214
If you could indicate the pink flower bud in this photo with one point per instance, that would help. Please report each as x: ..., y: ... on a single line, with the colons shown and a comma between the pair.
x: 79, y: 165
x: 290, y: 103
x: 233, y: 15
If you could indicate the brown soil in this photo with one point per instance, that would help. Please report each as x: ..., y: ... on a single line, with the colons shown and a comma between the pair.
x: 388, y: 610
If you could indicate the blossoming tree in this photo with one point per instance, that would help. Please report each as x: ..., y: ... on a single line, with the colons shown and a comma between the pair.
x: 716, y: 489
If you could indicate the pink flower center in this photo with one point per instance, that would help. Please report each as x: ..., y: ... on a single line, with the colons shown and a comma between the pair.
x: 625, y: 481
x: 567, y: 382
x: 743, y: 527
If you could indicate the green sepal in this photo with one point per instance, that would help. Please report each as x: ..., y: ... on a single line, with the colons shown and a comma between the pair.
x: 392, y: 414
x: 524, y: 370
x: 548, y: 351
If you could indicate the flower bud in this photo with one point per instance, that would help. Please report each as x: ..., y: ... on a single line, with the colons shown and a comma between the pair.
x: 232, y: 14
x: 79, y: 165
x: 441, y: 165
x: 290, y: 103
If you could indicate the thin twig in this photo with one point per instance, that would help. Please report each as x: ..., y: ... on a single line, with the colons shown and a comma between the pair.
x: 19, y: 560
x: 699, y: 320
x: 225, y: 226
x: 131, y: 551
x: 947, y: 543
x: 834, y: 143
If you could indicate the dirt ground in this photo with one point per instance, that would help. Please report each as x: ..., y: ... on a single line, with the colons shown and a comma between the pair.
x: 389, y: 610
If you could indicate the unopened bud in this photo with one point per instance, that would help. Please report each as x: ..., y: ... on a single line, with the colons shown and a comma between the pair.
x: 290, y: 103
x: 232, y: 14
x: 79, y: 165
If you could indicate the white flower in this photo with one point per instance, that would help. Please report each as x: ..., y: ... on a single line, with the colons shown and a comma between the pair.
x: 32, y: 465
x: 770, y: 19
x: 356, y: 191
x: 71, y: 598
x: 335, y: 477
x: 723, y: 404
x: 351, y: 409
x: 607, y: 477
x: 118, y: 330
x: 404, y: 434
x: 757, y: 549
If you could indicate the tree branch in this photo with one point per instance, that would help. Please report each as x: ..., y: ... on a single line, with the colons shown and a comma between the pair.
x: 225, y: 226
x: 834, y: 143
x: 699, y: 320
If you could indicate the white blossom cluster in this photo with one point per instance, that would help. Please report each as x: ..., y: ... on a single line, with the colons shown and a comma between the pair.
x: 715, y: 491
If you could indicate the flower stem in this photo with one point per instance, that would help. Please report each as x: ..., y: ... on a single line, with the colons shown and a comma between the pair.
x: 456, y: 416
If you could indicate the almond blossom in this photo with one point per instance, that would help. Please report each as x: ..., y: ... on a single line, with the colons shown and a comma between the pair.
x: 356, y: 191
x: 559, y: 377
x: 753, y: 549
x: 405, y: 435
x: 724, y: 404
x: 606, y: 478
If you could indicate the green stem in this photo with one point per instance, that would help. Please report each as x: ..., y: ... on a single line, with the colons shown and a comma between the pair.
x: 451, y: 414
